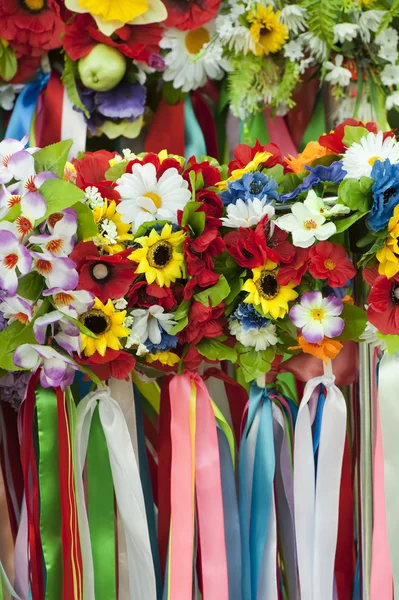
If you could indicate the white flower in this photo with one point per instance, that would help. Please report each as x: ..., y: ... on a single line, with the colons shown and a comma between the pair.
x: 194, y: 56
x: 345, y: 32
x: 305, y: 226
x: 260, y: 339
x: 143, y: 71
x: 304, y: 64
x: 109, y: 231
x: 293, y: 50
x: 146, y: 198
x: 369, y: 336
x: 8, y: 93
x: 317, y: 206
x: 93, y: 197
x: 392, y: 100
x: 387, y: 37
x: 149, y: 323
x: 369, y: 21
x: 360, y: 157
x: 338, y: 75
x: 390, y: 75
x: 246, y: 214
x: 120, y: 304
x: 294, y: 18
x: 317, y: 47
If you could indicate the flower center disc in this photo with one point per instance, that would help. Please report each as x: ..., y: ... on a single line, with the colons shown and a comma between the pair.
x: 156, y: 198
x: 395, y: 293
x: 318, y: 314
x: 95, y: 320
x: 255, y: 187
x: 309, y: 225
x: 160, y: 254
x: 267, y: 285
x: 372, y: 160
x: 101, y: 272
x: 196, y: 39
x: 34, y: 5
x: 329, y: 264
x: 10, y: 261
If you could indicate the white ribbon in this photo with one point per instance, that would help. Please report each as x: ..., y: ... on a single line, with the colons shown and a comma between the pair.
x: 73, y: 127
x: 128, y: 491
x: 317, y: 505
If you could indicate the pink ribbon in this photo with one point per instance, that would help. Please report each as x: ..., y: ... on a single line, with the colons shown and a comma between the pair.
x: 280, y: 135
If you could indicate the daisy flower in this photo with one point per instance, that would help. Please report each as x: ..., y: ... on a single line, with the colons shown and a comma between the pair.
x: 193, y: 57
x: 246, y: 214
x: 318, y: 317
x: 360, y: 157
x: 338, y: 75
x: 305, y: 226
x: 145, y: 198
x: 107, y: 324
x: 160, y: 257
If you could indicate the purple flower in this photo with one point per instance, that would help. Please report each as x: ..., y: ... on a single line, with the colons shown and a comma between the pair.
x: 156, y: 62
x: 125, y: 101
x: 63, y: 331
x: 13, y: 255
x: 8, y: 147
x: 57, y: 370
x: 318, y: 316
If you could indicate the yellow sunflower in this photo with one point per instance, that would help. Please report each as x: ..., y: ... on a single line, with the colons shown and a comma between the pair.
x: 266, y: 31
x: 160, y: 257
x: 111, y: 231
x: 263, y: 289
x: 254, y: 165
x: 388, y: 256
x: 107, y: 324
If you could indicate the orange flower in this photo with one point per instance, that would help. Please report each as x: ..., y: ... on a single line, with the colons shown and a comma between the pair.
x: 348, y: 299
x: 323, y: 350
x: 313, y: 150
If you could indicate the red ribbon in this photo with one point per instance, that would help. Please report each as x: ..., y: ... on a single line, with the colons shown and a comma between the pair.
x: 207, y: 123
x: 49, y: 115
x: 164, y: 470
x: 13, y: 479
x: 166, y: 131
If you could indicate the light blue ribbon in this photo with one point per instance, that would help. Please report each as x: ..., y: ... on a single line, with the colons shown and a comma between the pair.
x: 24, y: 108
x: 193, y: 136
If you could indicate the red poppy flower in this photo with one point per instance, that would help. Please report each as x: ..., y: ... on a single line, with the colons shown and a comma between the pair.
x: 278, y: 249
x: 142, y: 294
x: 211, y: 205
x: 248, y: 246
x: 295, y: 269
x: 243, y: 154
x: 105, y: 276
x: 370, y: 275
x: 190, y: 14
x: 91, y: 171
x: 140, y: 42
x: 383, y: 305
x: 115, y: 363
x: 33, y: 27
x: 210, y: 174
x: 330, y: 261
x: 198, y: 253
x: 203, y: 322
x: 333, y: 141
x: 153, y: 158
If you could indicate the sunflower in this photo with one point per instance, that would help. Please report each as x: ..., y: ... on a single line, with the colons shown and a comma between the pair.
x: 265, y: 290
x: 106, y: 324
x: 266, y: 31
x: 388, y: 256
x: 111, y: 231
x: 169, y: 359
x: 160, y: 257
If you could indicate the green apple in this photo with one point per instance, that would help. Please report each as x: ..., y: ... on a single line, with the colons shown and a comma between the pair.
x: 102, y: 69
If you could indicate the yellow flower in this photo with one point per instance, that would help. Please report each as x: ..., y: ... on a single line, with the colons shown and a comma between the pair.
x: 254, y: 165
x: 268, y: 34
x: 107, y: 324
x: 264, y: 290
x: 70, y: 173
x: 159, y: 256
x: 166, y: 358
x: 111, y: 231
x: 388, y: 256
x: 312, y: 151
x: 365, y: 3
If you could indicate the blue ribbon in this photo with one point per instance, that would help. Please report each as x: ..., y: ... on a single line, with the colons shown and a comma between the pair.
x: 194, y: 138
x: 24, y: 108
x: 317, y: 423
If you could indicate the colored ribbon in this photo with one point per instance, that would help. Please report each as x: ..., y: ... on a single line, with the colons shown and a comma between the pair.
x: 24, y: 108
x: 128, y: 491
x: 166, y: 131
x: 279, y: 134
x: 73, y: 126
x: 193, y: 136
x: 317, y: 498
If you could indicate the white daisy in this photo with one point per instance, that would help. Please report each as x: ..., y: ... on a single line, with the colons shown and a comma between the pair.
x: 345, y: 32
x: 369, y: 21
x: 293, y: 51
x: 338, y: 75
x: 390, y: 75
x: 305, y: 226
x: 258, y: 338
x: 194, y: 56
x: 246, y: 214
x: 327, y: 207
x: 392, y: 100
x: 144, y: 197
x: 294, y: 18
x: 360, y: 157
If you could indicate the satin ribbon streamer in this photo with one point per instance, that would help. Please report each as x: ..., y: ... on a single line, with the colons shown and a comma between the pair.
x: 194, y: 138
x: 317, y: 499
x: 24, y: 108
x: 128, y: 491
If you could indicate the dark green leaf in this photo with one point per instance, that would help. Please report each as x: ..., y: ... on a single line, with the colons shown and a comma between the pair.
x: 215, y: 350
x: 215, y: 294
x: 170, y: 94
x: 344, y: 224
x: 53, y: 158
x: 30, y: 286
x: 59, y: 195
x: 87, y: 227
x: 355, y: 322
x: 367, y: 256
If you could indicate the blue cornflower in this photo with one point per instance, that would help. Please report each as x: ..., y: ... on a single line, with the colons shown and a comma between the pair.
x: 248, y: 187
x: 319, y: 174
x: 249, y: 317
x: 167, y: 343
x: 385, y: 194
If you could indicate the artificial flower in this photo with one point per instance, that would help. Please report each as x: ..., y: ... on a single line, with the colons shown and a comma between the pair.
x: 278, y: 249
x: 306, y: 226
x: 312, y: 151
x: 295, y: 269
x: 161, y: 161
x: 13, y: 388
x: 390, y: 75
x: 359, y: 159
x: 203, y: 322
x: 293, y: 51
x: 114, y: 363
x: 142, y: 294
x: 385, y: 194
x: 388, y: 256
x: 325, y: 350
x: 65, y: 300
x: 16, y: 308
x: 124, y: 101
x: 152, y: 327
x: 107, y: 325
x: 383, y: 304
x: 159, y: 257
x: 8, y: 147
x: 198, y: 254
x: 259, y: 159
x: 248, y: 213
x: 248, y: 246
x: 392, y: 100
x: 91, y: 169
x: 210, y: 173
x: 244, y: 154
x: 316, y: 46
x: 62, y: 239
x: 190, y: 14
x: 318, y: 317
x: 293, y: 17
x: 64, y: 332
x: 330, y: 261
x: 169, y: 359
x: 251, y: 328
x: 13, y: 256
x: 333, y: 174
x: 249, y: 187
x: 211, y: 205
x: 369, y: 22
x: 265, y: 291
x: 268, y: 34
x: 326, y: 208
x: 112, y: 232
x: 144, y: 197
x: 345, y: 32
x: 57, y: 271
x: 57, y: 370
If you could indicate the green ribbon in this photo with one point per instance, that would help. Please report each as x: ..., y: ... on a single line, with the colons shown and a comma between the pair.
x: 101, y: 511
x: 222, y: 111
x: 317, y: 125
x: 50, y: 505
x: 193, y: 136
x: 254, y: 128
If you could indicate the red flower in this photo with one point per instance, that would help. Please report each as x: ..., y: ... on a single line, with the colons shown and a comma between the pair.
x: 333, y: 141
x: 212, y: 206
x: 210, y: 174
x: 190, y: 14
x: 383, y: 301
x: 248, y: 246
x: 198, y: 254
x: 140, y: 42
x: 142, y: 294
x: 32, y: 27
x: 27, y: 65
x: 278, y: 249
x: 243, y: 154
x: 115, y: 363
x: 295, y: 269
x: 105, y: 276
x: 91, y: 171
x: 330, y: 261
x: 203, y: 322
x: 153, y: 158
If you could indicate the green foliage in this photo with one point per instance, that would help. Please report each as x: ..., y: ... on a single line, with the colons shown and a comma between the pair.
x: 254, y: 363
x: 216, y: 350
x: 180, y: 325
x: 370, y: 254
x: 30, y: 286
x: 345, y: 223
x: 182, y: 310
x: 391, y: 342
x: 322, y: 15
x: 357, y: 194
x: 193, y: 218
x: 53, y: 158
x: 215, y: 294
x: 69, y: 80
x: 116, y: 171
x: 8, y: 62
x: 171, y: 95
x: 355, y: 322
x: 389, y: 16
x: 87, y: 226
x: 59, y: 195
x: 353, y: 135
x: 276, y: 173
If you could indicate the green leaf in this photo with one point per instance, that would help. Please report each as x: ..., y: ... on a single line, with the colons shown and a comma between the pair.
x: 215, y: 350
x: 179, y: 326
x: 391, y: 341
x: 59, y: 195
x: 170, y: 94
x: 344, y: 224
x: 321, y: 16
x: 7, y: 362
x: 53, y: 158
x: 367, y: 256
x: 255, y: 363
x: 90, y: 374
x: 353, y: 135
x: 214, y: 294
x: 8, y: 62
x: 290, y: 183
x: 30, y: 286
x: 357, y: 194
x: 87, y: 227
x: 276, y: 173
x: 355, y: 322
x: 17, y: 333
x: 144, y: 228
x: 235, y: 289
x: 182, y: 310
x: 13, y: 213
x: 82, y: 328
x: 69, y: 80
x: 116, y: 171
x: 366, y: 240
x: 196, y: 220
